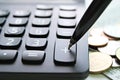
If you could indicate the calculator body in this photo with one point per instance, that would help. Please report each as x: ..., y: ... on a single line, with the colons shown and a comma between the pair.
x: 48, y: 69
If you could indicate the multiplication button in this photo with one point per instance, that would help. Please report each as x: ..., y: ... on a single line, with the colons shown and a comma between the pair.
x: 62, y: 55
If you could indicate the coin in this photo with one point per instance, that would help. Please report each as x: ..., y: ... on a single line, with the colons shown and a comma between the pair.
x: 99, y: 32
x: 97, y: 40
x: 118, y: 53
x: 99, y: 62
x: 96, y: 32
x: 113, y: 31
x: 110, y: 48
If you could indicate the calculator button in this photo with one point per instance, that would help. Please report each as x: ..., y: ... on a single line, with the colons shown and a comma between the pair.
x: 38, y: 32
x: 41, y: 22
x: 64, y: 33
x: 36, y: 43
x: 67, y: 23
x: 33, y: 56
x: 62, y: 55
x: 8, y: 55
x: 18, y: 22
x: 14, y: 31
x: 44, y: 7
x: 2, y: 21
x: 21, y: 13
x: 67, y: 14
x: 4, y: 13
x: 68, y: 8
x: 10, y: 43
x: 43, y: 13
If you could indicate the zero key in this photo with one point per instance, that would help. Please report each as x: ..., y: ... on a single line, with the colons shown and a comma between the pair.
x: 62, y: 55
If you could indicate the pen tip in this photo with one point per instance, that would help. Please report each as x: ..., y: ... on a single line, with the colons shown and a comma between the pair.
x: 69, y: 46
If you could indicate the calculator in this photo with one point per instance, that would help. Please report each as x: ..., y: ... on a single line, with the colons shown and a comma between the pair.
x: 34, y: 38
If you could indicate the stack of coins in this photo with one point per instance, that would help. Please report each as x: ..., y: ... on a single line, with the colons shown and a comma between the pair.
x: 104, y: 47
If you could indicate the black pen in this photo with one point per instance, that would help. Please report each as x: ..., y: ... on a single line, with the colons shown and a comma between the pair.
x: 91, y: 15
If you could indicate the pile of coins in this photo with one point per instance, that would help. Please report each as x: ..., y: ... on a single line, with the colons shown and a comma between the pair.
x: 104, y: 47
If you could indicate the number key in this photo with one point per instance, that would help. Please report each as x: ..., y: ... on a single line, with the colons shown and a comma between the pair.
x: 36, y: 43
x: 18, y: 22
x: 14, y: 31
x: 2, y: 21
x: 4, y: 13
x: 10, y: 43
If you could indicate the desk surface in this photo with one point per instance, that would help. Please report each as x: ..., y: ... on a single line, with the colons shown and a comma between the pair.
x: 109, y: 17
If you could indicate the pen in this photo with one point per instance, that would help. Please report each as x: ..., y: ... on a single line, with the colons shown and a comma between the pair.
x: 90, y: 16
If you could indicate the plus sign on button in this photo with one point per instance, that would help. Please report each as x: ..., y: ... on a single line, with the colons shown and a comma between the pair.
x: 62, y: 55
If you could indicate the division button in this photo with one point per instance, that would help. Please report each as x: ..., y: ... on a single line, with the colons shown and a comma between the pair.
x: 21, y: 13
x: 66, y: 23
x: 4, y: 13
x: 33, y: 56
x: 62, y: 55
x: 8, y: 55
x: 18, y: 22
x: 10, y: 43
x: 36, y: 43
x: 38, y: 32
x: 43, y: 22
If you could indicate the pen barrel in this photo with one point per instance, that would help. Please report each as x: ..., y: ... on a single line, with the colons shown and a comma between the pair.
x: 90, y: 16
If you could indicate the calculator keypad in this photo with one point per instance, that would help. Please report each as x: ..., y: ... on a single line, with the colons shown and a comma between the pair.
x: 35, y: 39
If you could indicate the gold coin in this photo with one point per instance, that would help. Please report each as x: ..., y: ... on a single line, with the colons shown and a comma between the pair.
x: 99, y: 62
x: 110, y: 48
x: 97, y: 41
x: 100, y: 32
x: 96, y: 32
